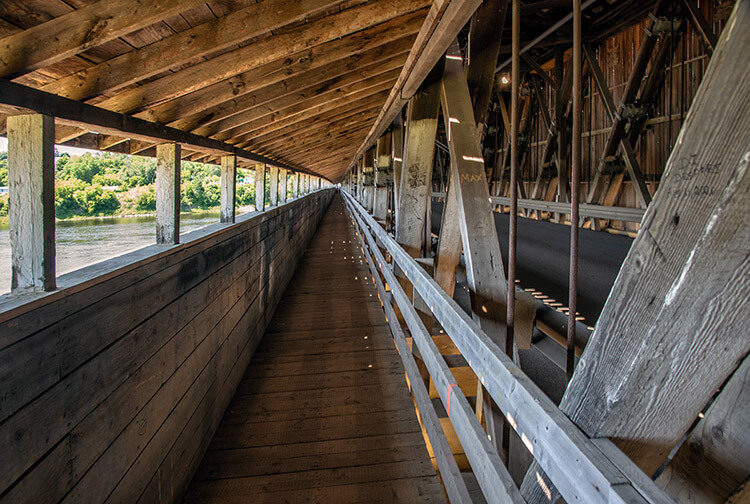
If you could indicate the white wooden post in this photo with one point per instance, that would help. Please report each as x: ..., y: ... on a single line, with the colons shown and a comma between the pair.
x: 168, y: 193
x: 295, y: 185
x: 273, y: 185
x: 260, y: 187
x: 228, y: 187
x: 31, y: 173
x: 282, y: 185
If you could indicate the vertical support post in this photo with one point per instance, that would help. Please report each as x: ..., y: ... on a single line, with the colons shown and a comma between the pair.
x: 368, y: 191
x: 382, y: 177
x: 168, y: 193
x: 260, y: 187
x: 359, y: 180
x: 416, y: 179
x: 31, y: 173
x: 273, y: 185
x: 397, y: 156
x: 282, y: 185
x: 228, y: 187
x: 295, y: 185
x: 575, y: 175
x: 561, y: 102
x: 514, y: 97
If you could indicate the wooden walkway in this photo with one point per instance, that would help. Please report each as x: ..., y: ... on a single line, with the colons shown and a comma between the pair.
x: 323, y: 413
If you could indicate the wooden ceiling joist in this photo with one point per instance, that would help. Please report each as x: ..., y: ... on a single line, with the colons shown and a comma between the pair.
x: 180, y: 48
x: 319, y: 56
x: 299, y: 88
x: 273, y: 81
x: 254, y: 55
x: 81, y: 29
x: 313, y: 123
x: 326, y: 112
x: 353, y: 92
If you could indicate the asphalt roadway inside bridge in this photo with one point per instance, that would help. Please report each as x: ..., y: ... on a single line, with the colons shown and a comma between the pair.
x: 542, y: 259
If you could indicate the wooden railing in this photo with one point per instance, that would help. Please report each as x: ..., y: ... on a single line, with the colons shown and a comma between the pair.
x: 585, y: 210
x: 583, y: 469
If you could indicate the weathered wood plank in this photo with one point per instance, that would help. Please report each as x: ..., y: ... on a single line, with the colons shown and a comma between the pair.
x: 81, y: 29
x: 168, y: 194
x: 69, y: 429
x: 298, y: 402
x: 31, y: 213
x: 260, y: 187
x: 416, y: 177
x: 714, y: 460
x: 172, y: 51
x: 228, y: 184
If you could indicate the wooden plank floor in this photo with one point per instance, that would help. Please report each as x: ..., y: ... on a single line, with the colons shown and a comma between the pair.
x: 323, y: 413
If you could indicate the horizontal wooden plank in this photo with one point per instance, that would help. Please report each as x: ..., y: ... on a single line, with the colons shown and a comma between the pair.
x: 232, y: 463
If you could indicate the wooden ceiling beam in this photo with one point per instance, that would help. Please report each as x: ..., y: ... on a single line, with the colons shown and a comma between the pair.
x: 182, y: 47
x: 374, y: 75
x: 255, y: 55
x: 313, y: 123
x: 325, y: 112
x: 341, y: 96
x: 329, y: 149
x: 296, y: 110
x: 276, y: 71
x: 323, y: 142
x: 276, y: 142
x: 82, y: 29
x: 301, y: 87
x: 262, y: 52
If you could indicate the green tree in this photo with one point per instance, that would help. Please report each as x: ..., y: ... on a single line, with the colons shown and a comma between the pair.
x: 146, y: 200
x: 66, y: 204
x: 3, y: 168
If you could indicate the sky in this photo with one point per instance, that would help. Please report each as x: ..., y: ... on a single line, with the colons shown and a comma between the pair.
x: 73, y: 151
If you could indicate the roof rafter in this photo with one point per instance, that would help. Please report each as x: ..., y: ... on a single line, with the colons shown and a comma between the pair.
x: 184, y: 46
x: 82, y: 29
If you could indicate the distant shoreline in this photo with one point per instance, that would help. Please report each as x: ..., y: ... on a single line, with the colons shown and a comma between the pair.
x: 195, y: 211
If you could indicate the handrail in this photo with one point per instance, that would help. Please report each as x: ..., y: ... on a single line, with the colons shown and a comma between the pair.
x: 455, y: 486
x: 585, y: 209
x: 493, y: 477
x: 575, y: 464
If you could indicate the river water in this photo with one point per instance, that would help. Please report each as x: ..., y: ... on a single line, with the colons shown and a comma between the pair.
x: 83, y: 242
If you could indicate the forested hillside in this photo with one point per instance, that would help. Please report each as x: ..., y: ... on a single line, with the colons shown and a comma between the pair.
x: 117, y: 184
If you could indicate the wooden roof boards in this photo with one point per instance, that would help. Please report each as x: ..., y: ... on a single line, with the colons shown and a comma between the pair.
x: 323, y: 74
x: 245, y: 73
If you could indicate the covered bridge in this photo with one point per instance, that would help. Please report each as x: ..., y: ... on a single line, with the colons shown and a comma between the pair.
x: 503, y: 256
